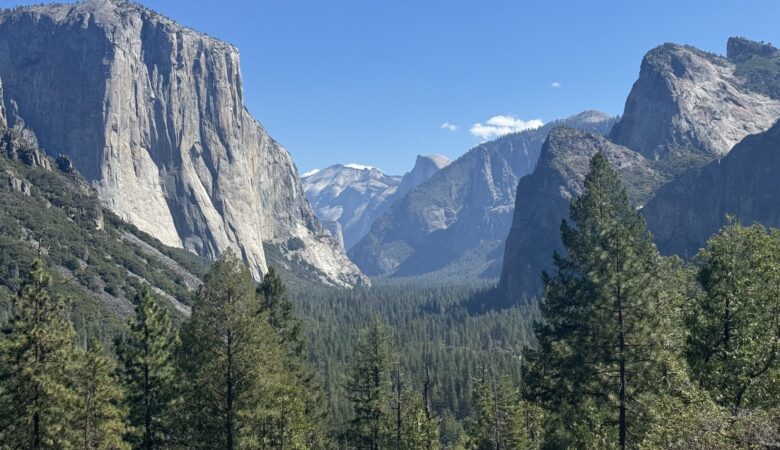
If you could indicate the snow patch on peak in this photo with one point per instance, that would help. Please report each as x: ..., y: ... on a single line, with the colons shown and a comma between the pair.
x: 358, y: 166
x: 310, y: 173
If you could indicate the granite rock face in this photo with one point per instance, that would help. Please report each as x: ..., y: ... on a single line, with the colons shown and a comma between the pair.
x: 543, y: 202
x: 687, y: 110
x: 690, y: 209
x: 690, y: 107
x: 354, y: 196
x: 455, y: 224
x: 152, y: 113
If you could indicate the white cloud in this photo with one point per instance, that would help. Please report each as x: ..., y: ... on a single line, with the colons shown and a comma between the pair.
x: 500, y: 125
x: 555, y: 84
x: 449, y: 126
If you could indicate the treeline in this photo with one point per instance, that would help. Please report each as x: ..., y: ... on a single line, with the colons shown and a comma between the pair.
x: 235, y: 376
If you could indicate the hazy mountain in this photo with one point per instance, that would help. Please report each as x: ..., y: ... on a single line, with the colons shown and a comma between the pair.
x: 152, y: 113
x: 687, y: 109
x: 455, y: 223
x: 543, y: 201
x: 348, y: 198
x: 744, y: 183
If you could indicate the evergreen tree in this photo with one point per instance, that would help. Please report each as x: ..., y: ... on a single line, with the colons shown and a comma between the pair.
x: 302, y: 412
x: 101, y: 417
x: 233, y: 364
x: 368, y: 390
x: 149, y: 374
x: 419, y: 431
x: 503, y: 419
x: 602, y: 347
x: 37, y: 399
x: 734, y: 326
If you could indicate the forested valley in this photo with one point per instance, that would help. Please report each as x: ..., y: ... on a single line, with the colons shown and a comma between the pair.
x: 626, y: 349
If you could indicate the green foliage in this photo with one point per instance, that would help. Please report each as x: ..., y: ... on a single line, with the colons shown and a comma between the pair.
x: 104, y: 260
x: 369, y: 389
x: 37, y: 397
x: 233, y: 364
x: 306, y: 422
x: 148, y: 373
x: 503, y: 420
x: 433, y: 323
x: 101, y: 419
x: 603, y: 347
x: 419, y: 429
x: 734, y: 325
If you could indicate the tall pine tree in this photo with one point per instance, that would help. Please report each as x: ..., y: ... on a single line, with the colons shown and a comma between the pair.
x: 369, y: 390
x: 37, y: 357
x: 233, y: 363
x: 302, y: 416
x: 602, y: 347
x: 149, y: 374
x: 101, y: 417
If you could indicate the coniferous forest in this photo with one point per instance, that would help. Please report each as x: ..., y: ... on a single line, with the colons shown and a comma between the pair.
x: 626, y: 349
x: 175, y: 275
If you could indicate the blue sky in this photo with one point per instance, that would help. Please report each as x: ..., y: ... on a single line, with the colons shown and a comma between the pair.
x: 373, y: 81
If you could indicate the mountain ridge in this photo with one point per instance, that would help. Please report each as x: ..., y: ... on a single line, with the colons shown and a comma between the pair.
x: 349, y: 197
x: 455, y: 224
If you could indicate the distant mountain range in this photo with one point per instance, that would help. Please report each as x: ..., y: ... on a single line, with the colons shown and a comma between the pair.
x: 348, y: 198
x: 455, y: 224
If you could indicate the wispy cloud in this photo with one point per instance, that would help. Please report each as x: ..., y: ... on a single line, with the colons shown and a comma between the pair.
x: 500, y: 125
x: 555, y: 84
x: 450, y: 127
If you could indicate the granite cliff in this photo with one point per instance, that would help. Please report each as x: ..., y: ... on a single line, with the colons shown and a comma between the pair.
x: 686, y: 111
x: 152, y: 114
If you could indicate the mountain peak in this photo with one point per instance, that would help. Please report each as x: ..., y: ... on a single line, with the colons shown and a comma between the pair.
x: 689, y: 107
x: 590, y: 116
x: 440, y: 161
x: 740, y: 49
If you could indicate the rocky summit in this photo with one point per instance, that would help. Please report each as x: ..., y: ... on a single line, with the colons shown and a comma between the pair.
x: 689, y: 107
x: 152, y: 113
x: 683, y: 116
x: 455, y: 224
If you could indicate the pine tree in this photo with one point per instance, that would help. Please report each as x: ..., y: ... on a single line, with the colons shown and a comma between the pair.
x: 602, y: 346
x: 368, y: 390
x: 232, y: 362
x: 733, y: 342
x: 37, y: 399
x: 101, y: 416
x: 419, y: 430
x: 302, y: 414
x: 148, y: 373
x: 504, y: 420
